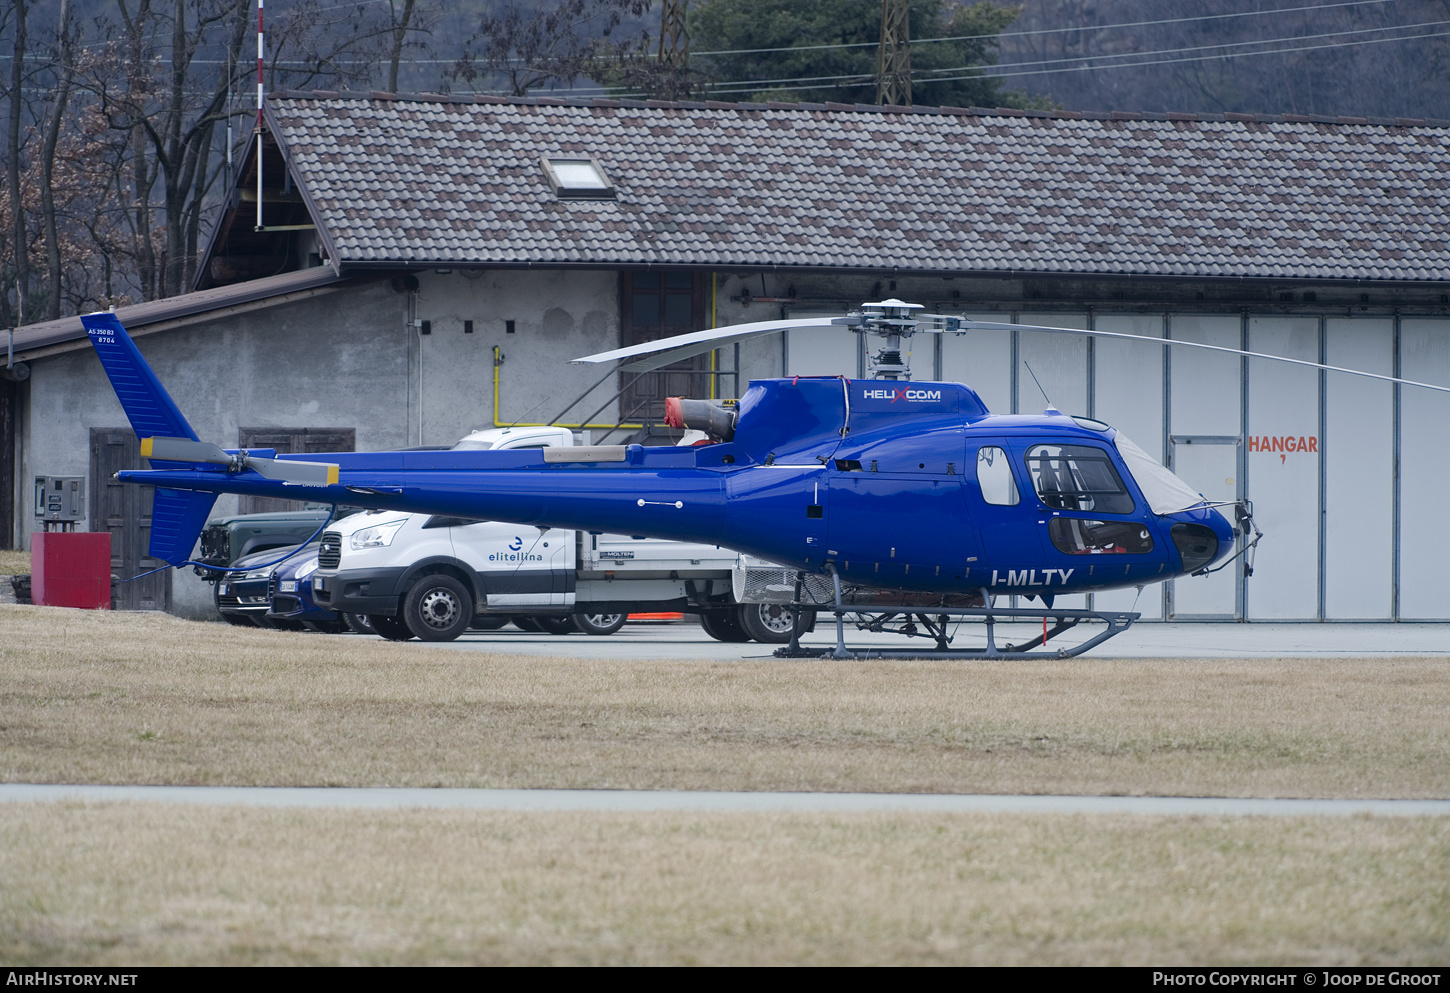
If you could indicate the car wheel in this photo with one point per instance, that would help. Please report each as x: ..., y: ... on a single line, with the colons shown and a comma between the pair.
x: 391, y: 628
x: 438, y: 608
x: 723, y: 625
x: 526, y: 623
x: 600, y: 623
x: 326, y: 627
x: 488, y: 622
x: 359, y: 623
x: 559, y: 625
x: 770, y: 623
x: 240, y: 620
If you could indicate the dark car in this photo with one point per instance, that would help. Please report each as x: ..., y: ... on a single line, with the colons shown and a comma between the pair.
x: 243, y: 597
x: 228, y: 539
x: 291, y: 596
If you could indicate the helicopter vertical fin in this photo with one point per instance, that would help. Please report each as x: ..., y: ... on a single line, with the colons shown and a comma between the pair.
x: 177, y: 518
x: 150, y: 409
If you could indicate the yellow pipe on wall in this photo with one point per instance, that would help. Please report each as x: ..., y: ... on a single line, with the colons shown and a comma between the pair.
x: 714, y: 354
x: 497, y: 364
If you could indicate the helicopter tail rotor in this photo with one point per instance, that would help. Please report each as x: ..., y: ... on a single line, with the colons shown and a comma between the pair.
x: 288, y: 470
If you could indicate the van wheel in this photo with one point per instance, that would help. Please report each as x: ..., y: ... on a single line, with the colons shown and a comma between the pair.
x: 560, y: 624
x: 770, y: 623
x: 600, y: 623
x: 723, y: 625
x: 359, y: 623
x: 391, y: 628
x: 437, y: 608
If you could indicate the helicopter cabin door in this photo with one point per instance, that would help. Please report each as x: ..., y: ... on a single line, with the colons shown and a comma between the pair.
x: 1209, y: 464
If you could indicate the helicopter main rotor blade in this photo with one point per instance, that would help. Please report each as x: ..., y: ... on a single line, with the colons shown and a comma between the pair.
x: 666, y: 350
x: 964, y: 325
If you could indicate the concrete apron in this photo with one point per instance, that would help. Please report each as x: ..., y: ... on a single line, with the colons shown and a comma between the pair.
x: 710, y: 801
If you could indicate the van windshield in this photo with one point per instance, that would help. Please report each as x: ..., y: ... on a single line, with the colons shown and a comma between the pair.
x: 1165, y: 492
x: 472, y: 446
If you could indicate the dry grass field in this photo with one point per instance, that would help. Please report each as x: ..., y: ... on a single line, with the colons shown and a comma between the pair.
x: 95, y: 697
x: 13, y: 563
x: 120, y: 884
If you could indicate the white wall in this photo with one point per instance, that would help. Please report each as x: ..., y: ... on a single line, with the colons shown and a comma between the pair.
x: 1128, y: 394
x: 1424, y: 468
x: 1284, y: 406
x: 1359, y: 471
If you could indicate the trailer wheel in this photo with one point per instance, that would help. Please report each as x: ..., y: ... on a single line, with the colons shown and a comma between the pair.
x: 391, y: 628
x: 437, y: 608
x: 600, y: 623
x: 723, y: 625
x: 770, y: 623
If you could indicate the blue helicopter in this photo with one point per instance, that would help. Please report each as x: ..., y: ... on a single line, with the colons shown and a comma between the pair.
x: 908, y: 497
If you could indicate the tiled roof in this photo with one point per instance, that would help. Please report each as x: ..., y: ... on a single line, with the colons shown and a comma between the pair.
x: 430, y: 180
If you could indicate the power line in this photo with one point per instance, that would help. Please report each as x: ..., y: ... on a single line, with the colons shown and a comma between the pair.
x: 982, y: 72
x: 1063, y: 64
x: 1201, y: 48
x: 1045, y: 31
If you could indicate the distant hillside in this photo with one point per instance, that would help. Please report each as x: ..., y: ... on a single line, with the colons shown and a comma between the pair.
x: 1344, y: 65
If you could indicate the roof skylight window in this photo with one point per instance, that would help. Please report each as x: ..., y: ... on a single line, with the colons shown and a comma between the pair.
x: 578, y: 179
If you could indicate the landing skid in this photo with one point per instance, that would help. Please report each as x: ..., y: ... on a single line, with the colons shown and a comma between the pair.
x: 932, y: 622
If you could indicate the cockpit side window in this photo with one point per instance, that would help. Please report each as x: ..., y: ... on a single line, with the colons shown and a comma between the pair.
x: 994, y: 476
x: 1076, y: 477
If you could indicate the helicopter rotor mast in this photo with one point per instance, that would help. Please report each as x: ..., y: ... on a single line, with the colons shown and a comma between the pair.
x: 895, y: 320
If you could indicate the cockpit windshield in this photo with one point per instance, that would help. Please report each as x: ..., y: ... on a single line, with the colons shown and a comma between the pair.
x: 1165, y: 492
x: 1077, y: 477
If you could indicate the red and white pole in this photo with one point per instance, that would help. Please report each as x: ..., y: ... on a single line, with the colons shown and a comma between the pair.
x: 259, y: 113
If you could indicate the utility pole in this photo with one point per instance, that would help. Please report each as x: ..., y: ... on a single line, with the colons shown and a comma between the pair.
x: 893, y: 65
x: 674, y: 39
x: 674, y: 53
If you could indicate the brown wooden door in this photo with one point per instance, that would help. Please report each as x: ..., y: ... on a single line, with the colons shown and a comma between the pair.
x: 291, y: 441
x: 658, y: 305
x: 124, y: 510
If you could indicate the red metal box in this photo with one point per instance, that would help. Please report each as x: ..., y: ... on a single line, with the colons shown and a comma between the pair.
x: 71, y: 569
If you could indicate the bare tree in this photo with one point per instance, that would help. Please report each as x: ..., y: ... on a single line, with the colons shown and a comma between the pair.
x: 400, y: 34
x: 66, y: 67
x: 526, y: 49
x: 13, y: 165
